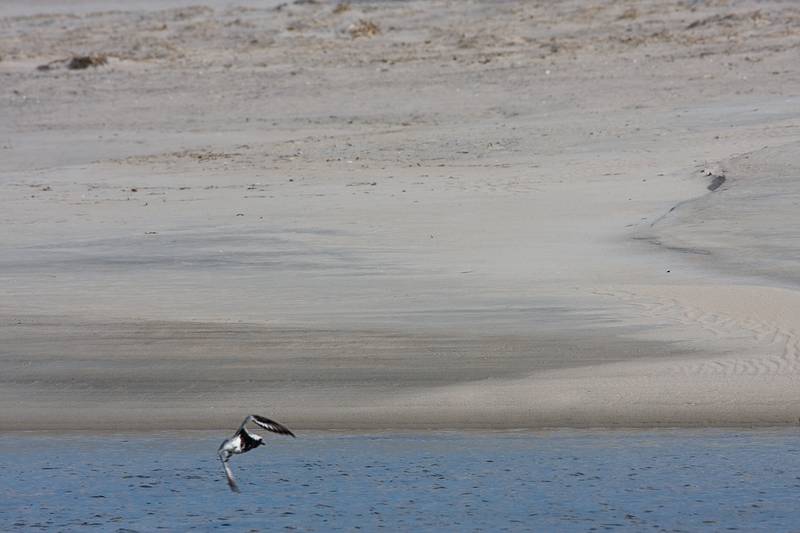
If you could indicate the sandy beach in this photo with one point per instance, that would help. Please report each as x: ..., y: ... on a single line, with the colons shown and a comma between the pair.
x: 422, y: 214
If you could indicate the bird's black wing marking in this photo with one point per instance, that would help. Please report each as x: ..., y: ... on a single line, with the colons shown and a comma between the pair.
x: 271, y: 425
x: 248, y: 441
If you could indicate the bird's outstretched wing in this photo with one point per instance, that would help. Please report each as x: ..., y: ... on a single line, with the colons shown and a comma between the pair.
x: 269, y: 425
x: 229, y: 475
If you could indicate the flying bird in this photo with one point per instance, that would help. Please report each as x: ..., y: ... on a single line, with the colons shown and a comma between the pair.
x: 244, y: 441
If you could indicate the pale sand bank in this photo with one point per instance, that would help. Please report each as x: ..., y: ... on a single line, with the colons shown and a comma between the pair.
x: 464, y: 221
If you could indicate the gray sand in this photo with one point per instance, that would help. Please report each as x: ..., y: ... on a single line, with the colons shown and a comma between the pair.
x: 462, y: 221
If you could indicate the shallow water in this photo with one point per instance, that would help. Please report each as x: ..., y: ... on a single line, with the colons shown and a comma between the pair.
x: 671, y: 480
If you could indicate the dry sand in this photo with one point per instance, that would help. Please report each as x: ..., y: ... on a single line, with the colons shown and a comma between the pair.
x: 484, y: 215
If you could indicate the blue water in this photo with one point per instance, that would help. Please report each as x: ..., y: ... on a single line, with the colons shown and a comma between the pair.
x: 665, y: 480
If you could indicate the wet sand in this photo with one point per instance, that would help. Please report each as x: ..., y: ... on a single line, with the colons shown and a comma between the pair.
x: 481, y: 216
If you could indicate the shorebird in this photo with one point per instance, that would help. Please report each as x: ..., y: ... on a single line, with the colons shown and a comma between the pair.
x: 244, y: 441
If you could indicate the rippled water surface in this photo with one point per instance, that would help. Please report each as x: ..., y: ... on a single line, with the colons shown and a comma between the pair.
x: 671, y: 480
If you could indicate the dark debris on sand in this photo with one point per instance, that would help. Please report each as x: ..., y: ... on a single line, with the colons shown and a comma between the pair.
x: 76, y: 62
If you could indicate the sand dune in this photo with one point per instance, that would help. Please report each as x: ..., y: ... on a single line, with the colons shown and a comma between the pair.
x: 475, y: 215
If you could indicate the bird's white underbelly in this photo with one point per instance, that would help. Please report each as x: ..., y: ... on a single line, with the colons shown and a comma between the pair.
x: 233, y: 445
